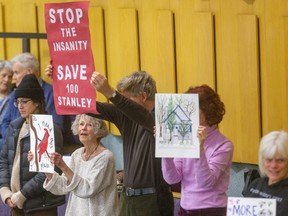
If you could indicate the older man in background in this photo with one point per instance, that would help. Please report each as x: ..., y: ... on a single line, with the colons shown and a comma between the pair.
x: 22, y: 64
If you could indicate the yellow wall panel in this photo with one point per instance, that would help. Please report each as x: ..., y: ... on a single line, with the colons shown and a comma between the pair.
x: 248, y: 92
x: 97, y: 34
x: 123, y: 55
x: 157, y: 45
x: 98, y: 45
x: 165, y: 52
x: 196, y: 59
x: 129, y: 40
x: 123, y: 49
x: 231, y: 78
x: 20, y: 17
x: 2, y: 40
x: 284, y: 80
x: 272, y: 72
x: 155, y: 14
x: 44, y: 54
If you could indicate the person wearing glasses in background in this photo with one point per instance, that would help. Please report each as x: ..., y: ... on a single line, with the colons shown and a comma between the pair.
x: 6, y: 74
x: 20, y: 189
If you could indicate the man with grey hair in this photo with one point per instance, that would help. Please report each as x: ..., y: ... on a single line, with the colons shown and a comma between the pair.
x: 145, y: 191
x: 22, y: 64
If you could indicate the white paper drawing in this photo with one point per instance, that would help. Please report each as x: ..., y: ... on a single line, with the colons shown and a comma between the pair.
x: 177, y: 121
x: 242, y: 206
x: 42, y: 143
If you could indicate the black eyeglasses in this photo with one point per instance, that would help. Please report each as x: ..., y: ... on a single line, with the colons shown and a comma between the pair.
x: 21, y: 102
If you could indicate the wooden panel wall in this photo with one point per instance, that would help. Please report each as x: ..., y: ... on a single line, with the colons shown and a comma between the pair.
x: 97, y: 34
x: 20, y: 17
x: 239, y: 47
x: 164, y: 51
x: 248, y: 108
x: 196, y: 50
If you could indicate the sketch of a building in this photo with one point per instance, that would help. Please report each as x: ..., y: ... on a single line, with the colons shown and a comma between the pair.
x: 176, y: 123
x: 176, y: 126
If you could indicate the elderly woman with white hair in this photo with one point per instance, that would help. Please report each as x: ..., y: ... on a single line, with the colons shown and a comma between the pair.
x: 273, y: 166
x: 91, y: 176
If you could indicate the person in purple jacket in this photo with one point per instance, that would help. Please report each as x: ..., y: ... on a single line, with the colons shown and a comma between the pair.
x: 204, y: 180
x: 22, y: 64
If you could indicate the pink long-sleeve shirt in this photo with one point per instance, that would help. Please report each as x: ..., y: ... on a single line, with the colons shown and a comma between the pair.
x: 204, y: 181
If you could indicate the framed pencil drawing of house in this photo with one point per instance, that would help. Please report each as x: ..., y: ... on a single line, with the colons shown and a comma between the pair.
x: 176, y: 122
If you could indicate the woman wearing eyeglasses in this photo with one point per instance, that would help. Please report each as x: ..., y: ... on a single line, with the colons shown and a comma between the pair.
x: 20, y: 189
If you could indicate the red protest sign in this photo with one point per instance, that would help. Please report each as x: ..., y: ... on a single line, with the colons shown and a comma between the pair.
x: 68, y: 35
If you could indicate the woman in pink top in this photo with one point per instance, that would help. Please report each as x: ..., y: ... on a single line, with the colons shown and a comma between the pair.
x: 204, y: 181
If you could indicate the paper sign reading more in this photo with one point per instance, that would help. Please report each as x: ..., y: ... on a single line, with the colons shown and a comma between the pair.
x: 42, y: 143
x: 177, y: 121
x: 240, y: 206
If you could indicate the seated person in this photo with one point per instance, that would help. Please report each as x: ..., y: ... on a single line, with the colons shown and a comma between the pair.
x: 273, y: 166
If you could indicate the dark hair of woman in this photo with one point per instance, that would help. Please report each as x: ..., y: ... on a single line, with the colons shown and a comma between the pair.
x: 210, y: 103
x: 41, y: 105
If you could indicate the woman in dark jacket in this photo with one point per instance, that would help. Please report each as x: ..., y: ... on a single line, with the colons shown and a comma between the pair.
x: 20, y: 189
